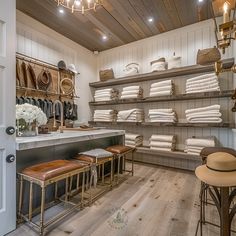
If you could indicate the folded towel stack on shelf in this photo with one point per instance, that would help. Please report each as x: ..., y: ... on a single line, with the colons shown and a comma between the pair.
x: 162, y: 115
x: 203, y: 83
x: 209, y: 114
x: 163, y: 88
x: 105, y: 115
x: 162, y: 142
x: 133, y: 115
x: 105, y: 95
x: 195, y: 145
x: 132, y: 92
x: 133, y: 140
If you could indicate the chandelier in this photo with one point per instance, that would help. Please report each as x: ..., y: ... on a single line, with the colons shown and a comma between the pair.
x: 79, y: 5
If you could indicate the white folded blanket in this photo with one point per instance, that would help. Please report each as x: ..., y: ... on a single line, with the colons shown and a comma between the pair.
x: 200, y: 142
x: 155, y: 113
x: 203, y: 109
x: 104, y: 111
x: 210, y: 86
x: 202, y: 82
x: 203, y: 90
x: 161, y: 149
x: 163, y: 138
x: 126, y: 113
x: 161, y: 144
x: 163, y: 93
x: 200, y: 77
x: 206, y: 120
x: 133, y: 92
x: 132, y: 88
x: 160, y: 89
x: 130, y: 96
x: 167, y: 110
x: 162, y: 83
x: 204, y: 114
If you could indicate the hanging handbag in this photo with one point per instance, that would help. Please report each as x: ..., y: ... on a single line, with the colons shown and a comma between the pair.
x: 208, y: 56
x: 106, y: 74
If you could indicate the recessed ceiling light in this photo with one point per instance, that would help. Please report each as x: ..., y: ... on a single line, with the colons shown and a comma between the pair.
x: 77, y: 3
x: 61, y: 10
x: 150, y: 19
x: 200, y: 0
x: 104, y: 37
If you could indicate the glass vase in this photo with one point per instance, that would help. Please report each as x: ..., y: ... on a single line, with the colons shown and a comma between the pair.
x: 25, y: 129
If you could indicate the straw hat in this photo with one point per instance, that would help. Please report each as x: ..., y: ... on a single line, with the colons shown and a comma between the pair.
x: 220, y: 170
x: 72, y: 68
x: 67, y: 86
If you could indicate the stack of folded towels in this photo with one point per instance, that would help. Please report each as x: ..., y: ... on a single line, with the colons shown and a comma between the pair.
x: 162, y: 115
x: 133, y: 115
x: 105, y: 115
x: 163, y: 88
x: 163, y: 142
x: 203, y: 83
x: 133, y: 140
x: 210, y: 114
x: 105, y: 95
x: 195, y: 145
x: 132, y: 92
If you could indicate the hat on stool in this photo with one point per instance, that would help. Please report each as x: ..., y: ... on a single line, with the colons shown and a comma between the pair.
x: 220, y: 170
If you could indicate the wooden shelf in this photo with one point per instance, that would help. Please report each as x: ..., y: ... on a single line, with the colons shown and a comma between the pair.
x: 175, y: 154
x: 158, y: 124
x: 171, y: 73
x: 179, y: 97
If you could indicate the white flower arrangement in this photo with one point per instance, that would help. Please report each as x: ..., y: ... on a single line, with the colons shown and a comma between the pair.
x: 30, y: 113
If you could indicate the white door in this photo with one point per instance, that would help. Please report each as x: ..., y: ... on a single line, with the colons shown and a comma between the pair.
x: 7, y: 116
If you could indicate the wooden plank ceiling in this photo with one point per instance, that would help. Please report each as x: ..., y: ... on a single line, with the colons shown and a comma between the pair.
x: 123, y: 21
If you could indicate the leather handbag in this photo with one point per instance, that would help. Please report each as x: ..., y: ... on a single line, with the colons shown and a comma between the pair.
x: 32, y: 76
x: 106, y: 74
x: 208, y: 56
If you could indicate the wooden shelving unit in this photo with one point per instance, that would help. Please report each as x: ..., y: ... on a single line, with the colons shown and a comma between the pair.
x: 158, y: 124
x: 179, y: 97
x: 173, y: 73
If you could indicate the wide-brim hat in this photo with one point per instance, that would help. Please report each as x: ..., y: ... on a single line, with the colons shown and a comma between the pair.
x: 67, y: 86
x: 219, y: 171
x: 61, y: 65
x: 44, y: 80
x: 72, y: 68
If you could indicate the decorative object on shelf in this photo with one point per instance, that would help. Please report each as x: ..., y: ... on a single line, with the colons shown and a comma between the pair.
x: 106, y: 74
x: 208, y: 56
x: 202, y: 83
x: 226, y: 31
x: 44, y: 79
x: 132, y: 92
x: 79, y: 5
x: 24, y: 71
x: 194, y: 146
x: 106, y: 95
x: 61, y: 65
x: 28, y: 118
x: 131, y: 69
x: 67, y: 86
x: 174, y: 62
x: 72, y: 69
x: 209, y: 114
x: 162, y: 115
x: 163, y: 88
x: 162, y: 142
x: 158, y: 65
x: 32, y: 76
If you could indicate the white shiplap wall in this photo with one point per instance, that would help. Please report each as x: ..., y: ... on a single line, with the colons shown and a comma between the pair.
x: 38, y: 41
x: 185, y: 42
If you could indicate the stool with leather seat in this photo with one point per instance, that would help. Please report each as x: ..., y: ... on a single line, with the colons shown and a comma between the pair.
x: 120, y: 152
x: 43, y: 175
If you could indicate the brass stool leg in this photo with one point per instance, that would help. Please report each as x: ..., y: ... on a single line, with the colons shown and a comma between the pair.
x: 56, y: 189
x: 20, y: 197
x: 77, y: 183
x: 30, y: 200
x: 41, y: 228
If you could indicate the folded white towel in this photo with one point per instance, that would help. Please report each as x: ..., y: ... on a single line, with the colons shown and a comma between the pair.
x: 130, y: 96
x: 197, y: 78
x: 200, y: 142
x: 206, y: 120
x: 211, y: 86
x: 131, y: 88
x: 156, y: 113
x: 159, y: 94
x: 167, y: 110
x: 203, y: 90
x: 163, y: 138
x: 162, y: 83
x: 104, y: 111
x: 202, y: 109
x: 132, y: 92
x: 204, y: 114
x: 126, y: 113
x: 161, y: 149
x: 161, y: 144
x: 161, y: 88
x: 201, y: 82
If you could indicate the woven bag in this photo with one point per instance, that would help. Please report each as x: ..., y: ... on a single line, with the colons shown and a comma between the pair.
x: 106, y: 74
x: 208, y: 56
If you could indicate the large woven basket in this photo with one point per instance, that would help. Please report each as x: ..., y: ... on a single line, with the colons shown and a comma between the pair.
x: 208, y: 56
x: 106, y: 74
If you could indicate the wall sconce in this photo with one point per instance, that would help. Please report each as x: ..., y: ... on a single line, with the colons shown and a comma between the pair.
x: 219, y: 68
x: 226, y: 32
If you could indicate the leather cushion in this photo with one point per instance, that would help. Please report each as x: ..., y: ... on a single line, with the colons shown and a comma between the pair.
x: 119, y: 149
x: 90, y: 159
x: 209, y: 150
x: 48, y: 170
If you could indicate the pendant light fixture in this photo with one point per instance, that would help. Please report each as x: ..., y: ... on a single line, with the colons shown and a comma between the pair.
x: 79, y: 5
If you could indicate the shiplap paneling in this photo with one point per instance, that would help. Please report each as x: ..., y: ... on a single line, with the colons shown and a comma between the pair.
x: 185, y: 42
x: 40, y: 42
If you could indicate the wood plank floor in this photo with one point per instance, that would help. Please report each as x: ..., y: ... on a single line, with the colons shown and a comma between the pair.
x: 157, y: 201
